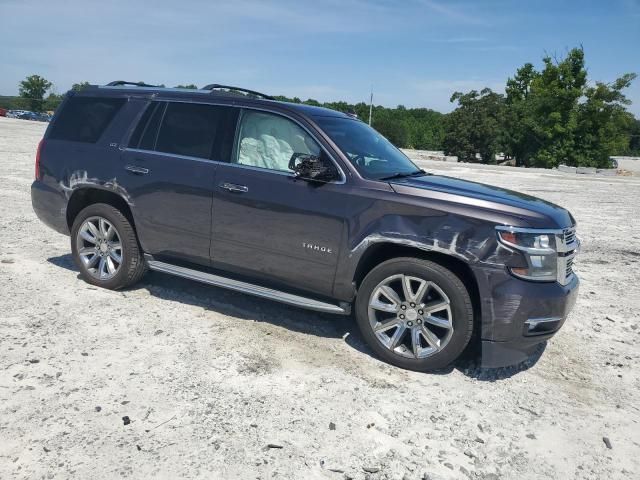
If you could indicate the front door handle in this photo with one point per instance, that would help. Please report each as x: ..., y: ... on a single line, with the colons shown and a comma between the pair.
x: 137, y: 170
x: 232, y: 187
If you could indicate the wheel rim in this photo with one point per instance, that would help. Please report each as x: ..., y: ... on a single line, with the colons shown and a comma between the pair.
x: 99, y: 248
x: 410, y: 316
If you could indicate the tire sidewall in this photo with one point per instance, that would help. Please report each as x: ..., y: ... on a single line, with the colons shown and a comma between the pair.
x: 461, y: 310
x: 111, y: 214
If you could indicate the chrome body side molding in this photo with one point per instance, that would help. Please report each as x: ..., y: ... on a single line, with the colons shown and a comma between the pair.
x: 248, y: 288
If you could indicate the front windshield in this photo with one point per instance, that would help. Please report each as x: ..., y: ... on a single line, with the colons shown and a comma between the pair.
x: 372, y: 154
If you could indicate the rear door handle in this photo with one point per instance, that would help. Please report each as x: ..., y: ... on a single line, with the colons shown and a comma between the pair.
x: 232, y: 187
x: 137, y: 170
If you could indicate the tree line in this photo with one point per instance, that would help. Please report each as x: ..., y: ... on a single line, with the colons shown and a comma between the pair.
x: 546, y: 117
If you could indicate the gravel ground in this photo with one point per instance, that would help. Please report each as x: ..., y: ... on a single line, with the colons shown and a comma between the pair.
x: 221, y: 385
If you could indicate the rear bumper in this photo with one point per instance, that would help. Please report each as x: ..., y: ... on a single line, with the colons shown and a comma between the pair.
x: 50, y: 206
x: 518, y: 315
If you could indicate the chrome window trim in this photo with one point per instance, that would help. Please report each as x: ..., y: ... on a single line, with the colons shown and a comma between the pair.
x: 174, y: 155
x: 343, y: 177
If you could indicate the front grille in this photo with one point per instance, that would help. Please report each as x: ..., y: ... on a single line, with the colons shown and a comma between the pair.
x: 568, y: 246
x: 569, y: 236
x: 569, y: 269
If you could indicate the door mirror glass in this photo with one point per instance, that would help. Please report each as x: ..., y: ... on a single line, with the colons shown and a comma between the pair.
x: 311, y: 167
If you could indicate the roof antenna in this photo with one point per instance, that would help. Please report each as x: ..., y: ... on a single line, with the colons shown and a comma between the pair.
x: 371, y: 105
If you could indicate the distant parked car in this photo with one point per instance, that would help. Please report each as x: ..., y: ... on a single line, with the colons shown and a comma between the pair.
x: 16, y: 113
x: 35, y: 116
x: 3, y: 112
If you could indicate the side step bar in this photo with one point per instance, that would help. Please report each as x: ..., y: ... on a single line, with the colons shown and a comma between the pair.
x: 249, y: 288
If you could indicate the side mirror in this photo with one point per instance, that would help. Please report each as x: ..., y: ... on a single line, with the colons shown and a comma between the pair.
x: 313, y: 168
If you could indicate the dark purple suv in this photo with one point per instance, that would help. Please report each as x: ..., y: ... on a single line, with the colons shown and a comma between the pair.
x: 306, y: 206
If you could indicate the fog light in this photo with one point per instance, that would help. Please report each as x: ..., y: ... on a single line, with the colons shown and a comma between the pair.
x: 541, y: 326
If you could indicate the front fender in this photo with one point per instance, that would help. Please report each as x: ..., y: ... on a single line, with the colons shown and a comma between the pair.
x: 469, y: 240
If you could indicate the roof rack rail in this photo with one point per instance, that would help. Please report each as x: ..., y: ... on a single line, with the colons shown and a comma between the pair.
x: 216, y: 86
x: 117, y: 83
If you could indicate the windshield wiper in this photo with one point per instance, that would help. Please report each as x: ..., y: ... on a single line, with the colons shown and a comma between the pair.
x: 405, y: 174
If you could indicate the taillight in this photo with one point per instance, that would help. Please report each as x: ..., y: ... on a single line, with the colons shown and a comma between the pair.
x: 38, y: 154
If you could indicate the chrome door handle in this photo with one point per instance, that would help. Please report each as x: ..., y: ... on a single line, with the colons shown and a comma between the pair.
x: 136, y: 170
x: 232, y: 187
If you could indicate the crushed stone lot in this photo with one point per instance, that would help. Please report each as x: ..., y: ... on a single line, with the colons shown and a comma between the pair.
x: 215, y: 384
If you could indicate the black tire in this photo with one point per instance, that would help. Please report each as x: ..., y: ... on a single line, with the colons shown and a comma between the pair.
x: 460, y: 305
x: 132, y: 267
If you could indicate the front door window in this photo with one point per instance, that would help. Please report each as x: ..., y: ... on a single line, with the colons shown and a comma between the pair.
x: 268, y: 141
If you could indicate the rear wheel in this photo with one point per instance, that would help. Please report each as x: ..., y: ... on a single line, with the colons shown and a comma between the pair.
x: 105, y: 247
x: 415, y: 314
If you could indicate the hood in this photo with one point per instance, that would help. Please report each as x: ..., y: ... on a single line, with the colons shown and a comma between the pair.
x: 532, y: 211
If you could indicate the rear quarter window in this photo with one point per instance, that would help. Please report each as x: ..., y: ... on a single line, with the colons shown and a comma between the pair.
x: 84, y: 119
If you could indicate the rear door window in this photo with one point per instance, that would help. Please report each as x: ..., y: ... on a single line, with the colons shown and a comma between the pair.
x: 134, y: 141
x: 84, y: 119
x: 189, y: 129
x: 144, y: 136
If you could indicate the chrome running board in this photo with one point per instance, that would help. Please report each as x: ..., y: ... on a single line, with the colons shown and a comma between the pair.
x: 249, y: 288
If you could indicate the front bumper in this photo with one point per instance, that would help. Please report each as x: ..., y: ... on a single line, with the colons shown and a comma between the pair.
x: 518, y: 315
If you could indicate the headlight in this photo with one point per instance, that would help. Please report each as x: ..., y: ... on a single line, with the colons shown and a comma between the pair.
x: 539, y: 249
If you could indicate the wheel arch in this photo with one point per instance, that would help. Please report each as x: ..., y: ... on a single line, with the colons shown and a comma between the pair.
x: 85, y: 196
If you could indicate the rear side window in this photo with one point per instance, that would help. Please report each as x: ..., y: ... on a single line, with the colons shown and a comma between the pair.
x: 134, y: 141
x: 84, y: 119
x: 189, y: 129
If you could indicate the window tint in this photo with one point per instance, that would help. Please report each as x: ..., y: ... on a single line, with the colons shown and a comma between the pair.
x: 268, y: 141
x: 84, y: 119
x: 134, y: 141
x: 150, y: 130
x: 189, y: 129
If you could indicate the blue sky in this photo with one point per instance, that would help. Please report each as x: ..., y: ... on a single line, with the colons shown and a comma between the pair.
x: 414, y: 52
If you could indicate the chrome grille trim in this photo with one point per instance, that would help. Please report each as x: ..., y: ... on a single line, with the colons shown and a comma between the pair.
x: 568, y: 246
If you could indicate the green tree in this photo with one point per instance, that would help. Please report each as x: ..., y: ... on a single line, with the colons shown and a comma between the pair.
x: 420, y: 128
x: 519, y: 141
x: 475, y: 127
x: 633, y: 132
x: 553, y: 103
x: 189, y: 85
x: 603, y: 123
x: 32, y: 90
x: 52, y: 101
x: 554, y: 116
x: 79, y: 86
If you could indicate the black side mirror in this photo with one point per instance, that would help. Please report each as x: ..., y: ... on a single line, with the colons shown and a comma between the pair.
x: 312, y: 167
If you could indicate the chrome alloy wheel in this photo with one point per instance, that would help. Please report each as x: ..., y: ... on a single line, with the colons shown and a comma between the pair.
x: 410, y: 316
x: 99, y: 247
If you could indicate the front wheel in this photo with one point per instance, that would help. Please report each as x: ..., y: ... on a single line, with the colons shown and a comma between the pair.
x: 105, y: 247
x: 415, y: 314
